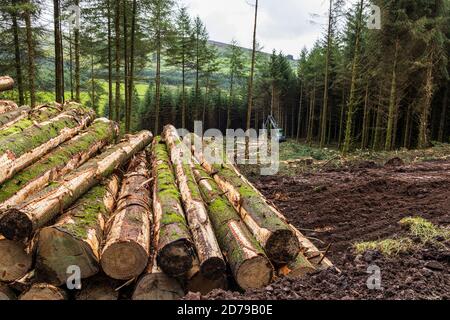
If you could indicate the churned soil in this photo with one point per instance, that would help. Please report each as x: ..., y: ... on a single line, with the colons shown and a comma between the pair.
x: 362, y: 202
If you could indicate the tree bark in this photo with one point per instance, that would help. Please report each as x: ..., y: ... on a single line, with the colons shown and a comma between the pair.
x: 158, y: 83
x: 126, y: 66
x: 366, y: 120
x: 20, y: 150
x: 45, y: 292
x: 131, y: 71
x: 428, y: 91
x: 299, y: 268
x: 18, y: 59
x: 110, y: 72
x: 16, y: 260
x: 10, y: 118
x: 117, y: 56
x: 250, y: 266
x: 31, y: 62
x: 392, y: 100
x: 20, y: 222
x: 212, y: 264
x: 76, y: 237
x: 300, y: 112
x: 266, y: 223
x: 175, y: 250
x: 6, y: 83
x: 77, y: 60
x: 127, y: 246
x: 36, y: 115
x: 443, y: 122
x: 58, y: 52
x: 252, y: 70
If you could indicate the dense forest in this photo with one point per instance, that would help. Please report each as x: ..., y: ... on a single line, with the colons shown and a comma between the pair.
x: 148, y: 63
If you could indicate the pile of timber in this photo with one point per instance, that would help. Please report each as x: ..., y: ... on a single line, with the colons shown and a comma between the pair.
x: 91, y: 215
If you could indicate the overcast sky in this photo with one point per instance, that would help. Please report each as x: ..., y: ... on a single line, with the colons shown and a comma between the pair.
x: 283, y: 24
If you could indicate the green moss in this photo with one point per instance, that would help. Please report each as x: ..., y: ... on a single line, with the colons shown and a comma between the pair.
x: 99, y: 131
x: 388, y: 247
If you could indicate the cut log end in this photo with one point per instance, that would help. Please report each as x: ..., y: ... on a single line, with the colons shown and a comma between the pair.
x: 15, y: 262
x: 282, y: 247
x: 124, y: 260
x: 57, y: 251
x: 44, y: 292
x: 98, y: 289
x: 199, y: 284
x: 213, y: 269
x: 15, y: 225
x: 254, y: 273
x: 157, y: 286
x: 176, y: 259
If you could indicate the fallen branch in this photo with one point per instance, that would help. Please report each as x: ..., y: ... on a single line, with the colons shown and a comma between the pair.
x: 10, y: 118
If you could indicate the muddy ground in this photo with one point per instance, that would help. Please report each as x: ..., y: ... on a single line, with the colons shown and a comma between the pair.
x: 363, y: 202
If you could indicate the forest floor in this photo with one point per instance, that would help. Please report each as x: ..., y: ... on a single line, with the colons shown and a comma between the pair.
x: 361, y: 200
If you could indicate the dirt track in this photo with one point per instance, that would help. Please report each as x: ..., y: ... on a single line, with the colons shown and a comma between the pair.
x: 360, y: 203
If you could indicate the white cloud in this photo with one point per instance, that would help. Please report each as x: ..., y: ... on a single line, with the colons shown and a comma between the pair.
x: 283, y: 24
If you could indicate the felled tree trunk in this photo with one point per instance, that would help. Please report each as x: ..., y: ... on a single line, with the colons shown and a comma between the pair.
x: 20, y: 150
x: 58, y: 163
x: 211, y: 260
x: 45, y: 292
x: 6, y: 83
x: 36, y: 115
x: 7, y: 106
x: 10, y: 118
x: 299, y: 268
x: 175, y: 248
x: 6, y: 293
x: 98, y: 288
x: 250, y: 266
x: 195, y: 282
x: 19, y: 223
x: 77, y: 236
x: 126, y: 251
x: 15, y: 260
x: 266, y: 224
x: 24, y: 284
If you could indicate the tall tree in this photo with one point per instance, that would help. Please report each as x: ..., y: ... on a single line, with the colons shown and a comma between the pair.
x: 236, y: 64
x: 252, y: 70
x: 31, y: 52
x: 200, y: 37
x: 59, y: 87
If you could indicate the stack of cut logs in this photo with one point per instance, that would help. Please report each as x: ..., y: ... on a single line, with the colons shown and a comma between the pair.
x: 136, y: 217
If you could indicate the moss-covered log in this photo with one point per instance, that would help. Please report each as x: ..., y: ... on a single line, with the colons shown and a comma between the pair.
x: 6, y: 293
x: 175, y: 248
x: 10, y: 118
x: 19, y: 223
x: 6, y: 83
x: 299, y: 268
x: 37, y: 115
x: 212, y: 264
x: 127, y: 246
x: 20, y: 150
x: 98, y: 288
x: 250, y: 266
x: 7, y: 106
x: 15, y: 260
x: 76, y: 237
x: 44, y: 292
x: 266, y: 223
x: 57, y: 163
x: 195, y: 282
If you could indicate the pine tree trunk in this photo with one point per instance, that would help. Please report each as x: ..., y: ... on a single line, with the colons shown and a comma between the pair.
x: 231, y: 101
x: 265, y: 223
x: 366, y: 120
x: 131, y: 71
x: 117, y: 56
x: 6, y: 83
x: 407, y: 128
x: 110, y: 62
x: 20, y: 222
x: 379, y: 118
x: 300, y: 113
x: 18, y: 60
x: 57, y: 163
x: 20, y: 150
x: 158, y: 84
x: 208, y: 250
x: 16, y: 260
x: 77, y: 60
x: 77, y: 236
x: 44, y: 292
x: 250, y: 266
x: 252, y: 71
x: 126, y: 252
x: 443, y: 123
x: 428, y: 91
x: 36, y: 115
x: 31, y: 62
x: 392, y: 100
x: 58, y: 52
x: 126, y: 65
x: 175, y: 249
x: 8, y: 119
